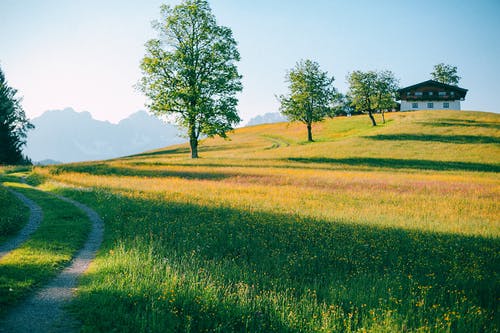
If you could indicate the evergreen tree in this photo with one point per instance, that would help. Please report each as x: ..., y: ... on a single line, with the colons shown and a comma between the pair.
x: 13, y: 125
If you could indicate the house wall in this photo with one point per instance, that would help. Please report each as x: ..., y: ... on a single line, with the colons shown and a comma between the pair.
x: 422, y: 105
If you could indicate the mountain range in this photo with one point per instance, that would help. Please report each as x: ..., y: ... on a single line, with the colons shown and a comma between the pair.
x: 270, y: 117
x: 70, y: 136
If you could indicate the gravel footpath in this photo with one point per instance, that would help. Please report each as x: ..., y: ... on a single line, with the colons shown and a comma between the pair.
x: 33, y: 223
x: 44, y: 311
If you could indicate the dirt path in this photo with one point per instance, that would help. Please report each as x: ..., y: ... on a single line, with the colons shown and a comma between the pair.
x: 44, y: 311
x: 33, y: 223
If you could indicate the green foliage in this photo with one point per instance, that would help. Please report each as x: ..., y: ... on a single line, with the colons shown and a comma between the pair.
x: 13, y: 125
x: 386, y: 87
x: 190, y: 71
x: 446, y: 74
x: 372, y: 90
x: 311, y: 94
x: 343, y: 105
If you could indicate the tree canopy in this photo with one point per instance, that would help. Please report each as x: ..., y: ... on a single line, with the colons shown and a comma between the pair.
x: 446, y: 74
x: 371, y: 91
x: 386, y: 87
x: 13, y: 125
x: 311, y: 94
x: 190, y: 71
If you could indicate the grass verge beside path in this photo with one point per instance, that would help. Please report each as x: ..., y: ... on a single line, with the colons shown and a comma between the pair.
x: 168, y: 266
x: 61, y: 234
x: 13, y: 214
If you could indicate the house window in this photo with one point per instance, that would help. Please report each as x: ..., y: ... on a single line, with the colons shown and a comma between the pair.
x: 414, y: 105
x: 418, y: 93
x: 430, y: 105
x: 446, y: 105
x: 430, y: 93
x: 452, y: 93
x: 408, y: 93
x: 442, y: 93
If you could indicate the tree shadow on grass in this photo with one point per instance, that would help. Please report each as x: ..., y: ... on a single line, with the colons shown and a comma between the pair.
x: 171, y: 151
x: 186, y: 150
x: 349, y: 265
x: 458, y: 139
x: 450, y: 122
x: 393, y: 163
x: 105, y: 169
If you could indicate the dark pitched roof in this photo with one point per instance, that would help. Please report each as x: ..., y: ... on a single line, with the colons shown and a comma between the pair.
x: 434, y: 84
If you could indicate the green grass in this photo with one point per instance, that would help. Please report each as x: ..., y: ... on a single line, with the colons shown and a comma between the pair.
x: 393, y: 228
x: 13, y: 214
x: 170, y: 266
x: 61, y: 233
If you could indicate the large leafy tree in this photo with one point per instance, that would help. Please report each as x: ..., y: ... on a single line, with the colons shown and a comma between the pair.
x: 13, y: 124
x: 446, y: 74
x: 371, y: 91
x: 311, y: 94
x: 190, y: 71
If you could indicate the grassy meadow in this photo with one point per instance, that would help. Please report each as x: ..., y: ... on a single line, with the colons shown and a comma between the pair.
x: 393, y: 228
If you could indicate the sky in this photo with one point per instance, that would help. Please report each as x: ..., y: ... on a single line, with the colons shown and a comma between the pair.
x: 85, y: 54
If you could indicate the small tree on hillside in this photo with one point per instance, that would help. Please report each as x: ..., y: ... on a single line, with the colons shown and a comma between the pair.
x: 13, y: 125
x: 386, y: 87
x: 190, y: 71
x: 361, y: 89
x: 446, y: 74
x: 371, y: 91
x: 311, y: 94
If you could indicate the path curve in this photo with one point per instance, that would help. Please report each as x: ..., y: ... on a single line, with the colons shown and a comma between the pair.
x: 33, y: 223
x: 43, y: 312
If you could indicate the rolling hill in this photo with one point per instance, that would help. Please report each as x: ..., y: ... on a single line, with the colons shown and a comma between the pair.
x: 430, y: 140
x: 367, y: 229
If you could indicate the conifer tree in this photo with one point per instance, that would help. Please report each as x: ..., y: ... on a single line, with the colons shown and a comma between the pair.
x: 13, y: 125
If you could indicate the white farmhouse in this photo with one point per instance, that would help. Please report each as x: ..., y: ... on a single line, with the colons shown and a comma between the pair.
x: 431, y: 95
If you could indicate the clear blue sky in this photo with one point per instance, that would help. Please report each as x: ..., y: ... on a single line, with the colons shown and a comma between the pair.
x: 86, y: 53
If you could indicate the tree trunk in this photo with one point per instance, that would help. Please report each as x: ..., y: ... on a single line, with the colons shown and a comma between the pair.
x: 372, y: 118
x: 309, y: 133
x: 194, y: 147
x: 383, y: 116
x: 193, y: 141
